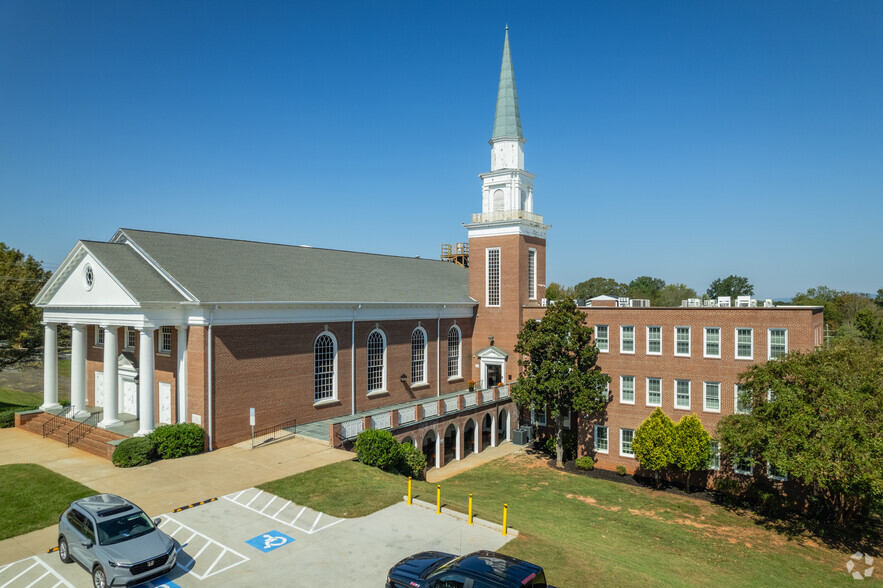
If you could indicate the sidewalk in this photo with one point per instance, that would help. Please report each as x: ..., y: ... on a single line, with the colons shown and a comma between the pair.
x: 164, y: 485
x: 472, y: 460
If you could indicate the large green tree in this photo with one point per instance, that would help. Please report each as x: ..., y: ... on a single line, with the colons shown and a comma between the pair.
x: 653, y: 443
x: 730, y: 286
x: 599, y: 287
x: 646, y: 287
x: 558, y: 366
x: 674, y: 294
x: 691, y: 446
x: 21, y: 334
x: 819, y: 417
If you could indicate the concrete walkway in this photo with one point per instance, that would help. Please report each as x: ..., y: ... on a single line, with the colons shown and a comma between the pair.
x: 164, y: 485
x: 473, y: 460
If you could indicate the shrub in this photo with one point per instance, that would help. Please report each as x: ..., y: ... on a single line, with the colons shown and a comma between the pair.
x: 178, y: 440
x: 568, y: 439
x: 378, y: 448
x: 727, y: 487
x: 412, y: 462
x: 621, y: 471
x: 7, y: 416
x: 137, y: 451
x: 585, y: 463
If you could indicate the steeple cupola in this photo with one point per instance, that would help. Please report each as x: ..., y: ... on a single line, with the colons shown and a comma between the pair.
x: 507, y: 143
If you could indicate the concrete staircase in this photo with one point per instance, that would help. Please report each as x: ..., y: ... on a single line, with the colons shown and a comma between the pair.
x: 95, y: 441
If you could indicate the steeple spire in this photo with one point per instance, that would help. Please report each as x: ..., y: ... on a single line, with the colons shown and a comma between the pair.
x: 507, y: 120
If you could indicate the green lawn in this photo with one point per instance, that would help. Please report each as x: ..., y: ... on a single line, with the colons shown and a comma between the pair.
x: 64, y: 367
x: 32, y: 497
x: 585, y: 531
x: 12, y: 398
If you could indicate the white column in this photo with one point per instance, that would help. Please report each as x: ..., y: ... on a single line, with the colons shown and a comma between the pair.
x: 182, y: 373
x: 78, y: 371
x: 146, y: 417
x: 50, y: 367
x: 111, y: 396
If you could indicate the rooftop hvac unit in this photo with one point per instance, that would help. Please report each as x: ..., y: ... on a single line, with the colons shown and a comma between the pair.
x: 723, y: 301
x: 623, y: 301
x: 768, y: 302
x: 640, y: 303
x: 709, y: 303
x: 694, y: 302
x: 521, y: 436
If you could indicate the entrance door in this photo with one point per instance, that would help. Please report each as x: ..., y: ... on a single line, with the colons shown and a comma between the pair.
x: 165, y: 403
x: 493, y: 374
x: 130, y: 396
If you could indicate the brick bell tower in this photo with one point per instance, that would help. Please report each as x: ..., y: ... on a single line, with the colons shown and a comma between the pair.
x: 507, y: 243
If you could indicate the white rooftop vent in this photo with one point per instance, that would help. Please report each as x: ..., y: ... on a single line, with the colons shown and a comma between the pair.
x: 724, y: 301
x: 623, y: 301
x: 709, y: 303
x: 743, y: 301
x: 640, y: 303
x: 694, y: 302
x: 768, y: 303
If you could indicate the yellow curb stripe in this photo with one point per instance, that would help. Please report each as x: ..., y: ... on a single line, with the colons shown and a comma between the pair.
x: 51, y: 550
x: 200, y: 503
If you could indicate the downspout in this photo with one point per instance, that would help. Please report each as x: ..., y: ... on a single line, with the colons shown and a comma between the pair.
x: 353, y: 361
x: 211, y: 422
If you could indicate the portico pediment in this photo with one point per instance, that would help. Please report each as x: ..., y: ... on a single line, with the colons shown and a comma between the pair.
x: 492, y: 352
x: 83, y: 281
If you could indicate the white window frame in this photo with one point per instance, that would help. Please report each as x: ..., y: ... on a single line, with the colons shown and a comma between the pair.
x: 606, y: 340
x: 458, y: 357
x: 649, y: 402
x: 705, y: 388
x: 781, y: 477
x: 532, y: 274
x: 736, y: 409
x: 715, y: 462
x: 736, y: 351
x: 417, y: 363
x: 622, y: 453
x: 131, y: 335
x: 689, y: 396
x: 769, y: 342
x: 540, y: 417
x: 99, y: 337
x: 164, y: 344
x: 622, y: 398
x: 622, y: 329
x: 383, y: 381
x: 741, y: 471
x: 489, y: 282
x: 659, y: 340
x: 334, y: 348
x: 689, y: 334
x: 705, y: 352
x: 606, y: 439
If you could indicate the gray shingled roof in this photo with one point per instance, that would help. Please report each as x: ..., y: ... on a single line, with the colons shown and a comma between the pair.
x: 134, y: 273
x: 224, y: 270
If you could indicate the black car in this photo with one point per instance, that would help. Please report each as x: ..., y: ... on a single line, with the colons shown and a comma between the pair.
x: 482, y: 569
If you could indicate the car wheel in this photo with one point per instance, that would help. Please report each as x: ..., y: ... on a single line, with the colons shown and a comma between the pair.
x: 64, y: 553
x: 99, y: 580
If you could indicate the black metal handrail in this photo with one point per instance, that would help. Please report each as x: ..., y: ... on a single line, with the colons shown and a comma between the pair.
x: 83, y: 428
x: 287, y: 426
x: 57, y: 421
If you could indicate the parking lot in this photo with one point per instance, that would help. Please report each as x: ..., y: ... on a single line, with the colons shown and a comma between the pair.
x: 252, y: 538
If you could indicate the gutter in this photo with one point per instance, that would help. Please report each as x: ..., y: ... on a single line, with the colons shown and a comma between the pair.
x: 211, y: 423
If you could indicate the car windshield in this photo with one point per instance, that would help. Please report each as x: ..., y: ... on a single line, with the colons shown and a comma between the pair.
x: 123, y: 528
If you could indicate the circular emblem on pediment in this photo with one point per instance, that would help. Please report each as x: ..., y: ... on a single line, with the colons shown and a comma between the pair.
x: 88, y: 276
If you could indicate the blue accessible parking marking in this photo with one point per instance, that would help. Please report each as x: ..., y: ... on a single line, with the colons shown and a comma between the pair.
x: 161, y: 582
x: 270, y: 541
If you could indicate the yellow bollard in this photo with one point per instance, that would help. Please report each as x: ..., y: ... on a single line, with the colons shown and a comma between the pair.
x: 470, y: 509
x: 505, y: 515
x: 438, y: 499
x: 409, y: 489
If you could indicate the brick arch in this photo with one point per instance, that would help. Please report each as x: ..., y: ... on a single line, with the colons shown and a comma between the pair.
x: 504, y: 423
x: 471, y: 441
x: 489, y: 437
x: 431, y: 435
x: 454, y: 451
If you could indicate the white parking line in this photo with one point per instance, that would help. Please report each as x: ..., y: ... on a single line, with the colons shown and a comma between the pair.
x: 261, y: 500
x: 36, y: 562
x: 209, y: 547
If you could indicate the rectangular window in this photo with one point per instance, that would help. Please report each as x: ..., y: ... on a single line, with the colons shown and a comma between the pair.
x: 165, y: 340
x: 778, y: 343
x: 600, y: 439
x: 627, y: 389
x: 743, y: 465
x: 654, y: 392
x: 682, y: 394
x: 532, y: 274
x: 602, y: 337
x: 626, y: 436
x: 712, y: 342
x: 774, y: 473
x: 131, y: 337
x: 493, y: 276
x: 744, y: 343
x: 654, y: 340
x: 540, y: 416
x: 627, y: 339
x: 714, y: 462
x: 682, y: 341
x: 99, y: 336
x: 712, y: 397
x: 742, y: 403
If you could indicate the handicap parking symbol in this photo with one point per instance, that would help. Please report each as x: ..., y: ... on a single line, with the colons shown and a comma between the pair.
x: 270, y: 541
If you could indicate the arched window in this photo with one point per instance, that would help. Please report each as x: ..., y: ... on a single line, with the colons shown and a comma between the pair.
x: 418, y: 356
x: 454, y: 352
x: 325, y: 367
x: 376, y: 361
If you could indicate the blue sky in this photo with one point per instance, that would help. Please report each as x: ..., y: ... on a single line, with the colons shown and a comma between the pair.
x: 683, y: 140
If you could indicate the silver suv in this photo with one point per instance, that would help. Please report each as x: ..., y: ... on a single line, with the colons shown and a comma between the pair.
x: 114, y: 540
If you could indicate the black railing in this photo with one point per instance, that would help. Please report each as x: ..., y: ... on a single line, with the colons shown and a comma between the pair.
x: 83, y: 428
x: 57, y: 421
x: 274, y: 433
